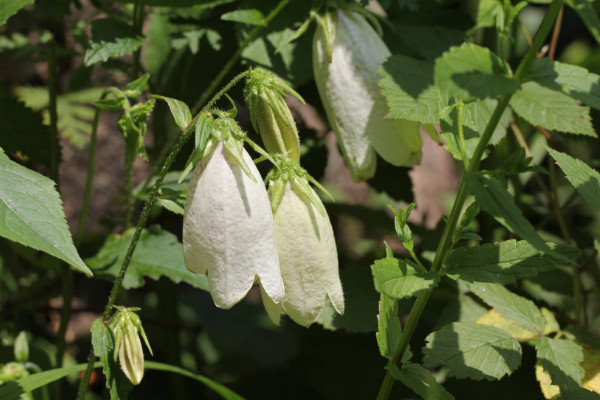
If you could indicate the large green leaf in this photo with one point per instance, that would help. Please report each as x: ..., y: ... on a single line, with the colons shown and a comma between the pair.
x: 407, y: 84
x: 158, y: 253
x: 31, y: 213
x: 510, y: 305
x: 10, y: 7
x: 471, y: 350
x: 494, y: 199
x: 503, y: 262
x: 585, y: 179
x: 111, y: 38
x: 389, y: 327
x: 400, y: 278
x: 575, y: 81
x: 420, y: 380
x: 471, y: 72
x: 551, y: 109
x: 561, y: 358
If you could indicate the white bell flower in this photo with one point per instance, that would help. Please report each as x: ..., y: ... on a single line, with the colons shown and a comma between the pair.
x: 228, y: 227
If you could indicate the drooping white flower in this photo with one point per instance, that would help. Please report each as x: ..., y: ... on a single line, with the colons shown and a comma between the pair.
x: 346, y: 76
x: 228, y: 228
x: 307, y: 256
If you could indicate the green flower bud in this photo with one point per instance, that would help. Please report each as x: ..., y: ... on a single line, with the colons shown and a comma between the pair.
x: 12, y: 371
x: 271, y: 117
x: 21, y: 348
x: 126, y: 325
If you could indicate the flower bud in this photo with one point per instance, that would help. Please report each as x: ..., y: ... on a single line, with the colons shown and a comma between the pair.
x: 12, y: 371
x: 228, y: 227
x: 126, y: 327
x: 271, y: 117
x: 347, y: 80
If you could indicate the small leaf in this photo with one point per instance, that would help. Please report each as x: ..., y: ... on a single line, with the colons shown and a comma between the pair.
x: 136, y: 88
x: 180, y: 111
x: 504, y: 262
x: 561, y: 358
x: 158, y: 253
x: 10, y: 7
x: 496, y: 201
x: 551, y: 109
x: 585, y: 179
x: 408, y: 87
x: 112, y: 104
x: 31, y: 213
x: 400, y: 278
x: 389, y: 327
x: 473, y: 351
x: 420, y: 380
x: 249, y: 16
x: 471, y: 72
x: 111, y: 38
x: 511, y: 306
x: 21, y: 348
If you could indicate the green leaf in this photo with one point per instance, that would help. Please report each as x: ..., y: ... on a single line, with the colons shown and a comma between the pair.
x: 585, y: 179
x: 579, y: 394
x: 588, y: 14
x: 420, y: 380
x: 249, y: 16
x: 511, y: 306
x: 561, y: 358
x: 428, y: 41
x: 158, y: 253
x: 23, y: 130
x: 471, y: 72
x: 390, y: 329
x: 496, y: 201
x: 180, y: 111
x: 503, y: 262
x: 551, y: 109
x: 473, y: 351
x: 31, y: 213
x: 572, y: 80
x: 400, y: 278
x: 111, y: 38
x: 407, y: 84
x: 10, y: 7
x: 103, y: 343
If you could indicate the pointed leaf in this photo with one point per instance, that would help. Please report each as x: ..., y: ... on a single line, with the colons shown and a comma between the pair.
x: 400, y: 278
x: 180, y: 111
x: 561, y: 358
x: 248, y: 16
x: 389, y: 327
x: 111, y: 38
x: 420, y: 380
x: 10, y: 7
x: 31, y: 213
x: 473, y: 351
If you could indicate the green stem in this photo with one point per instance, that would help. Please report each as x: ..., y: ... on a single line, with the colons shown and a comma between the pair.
x: 216, y: 82
x: 52, y: 93
x: 144, y: 216
x: 138, y: 22
x: 130, y: 155
x: 446, y: 240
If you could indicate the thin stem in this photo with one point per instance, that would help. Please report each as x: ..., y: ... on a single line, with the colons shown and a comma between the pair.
x: 556, y: 33
x: 422, y: 299
x: 130, y: 155
x: 52, y: 93
x: 144, y: 216
x: 461, y: 134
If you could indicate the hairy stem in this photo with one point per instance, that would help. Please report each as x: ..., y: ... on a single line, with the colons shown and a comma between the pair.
x: 144, y: 216
x: 446, y: 240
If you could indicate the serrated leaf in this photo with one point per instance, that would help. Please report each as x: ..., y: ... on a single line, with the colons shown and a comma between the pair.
x: 585, y: 179
x: 249, y: 16
x: 561, y: 358
x: 511, y: 306
x: 494, y: 199
x: 10, y: 7
x: 31, y: 214
x: 503, y: 262
x: 471, y: 72
x: 549, y: 390
x: 551, y: 109
x: 408, y: 87
x: 158, y: 253
x: 591, y: 366
x: 180, y: 111
x: 23, y: 130
x: 400, y: 278
x: 493, y: 318
x: 111, y: 38
x: 389, y: 327
x: 420, y: 381
x: 588, y: 14
x: 470, y: 350
x: 572, y: 80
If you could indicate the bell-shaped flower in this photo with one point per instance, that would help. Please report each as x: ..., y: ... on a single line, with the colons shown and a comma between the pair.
x: 347, y: 52
x: 271, y: 117
x: 126, y: 327
x: 228, y: 225
x: 306, y: 248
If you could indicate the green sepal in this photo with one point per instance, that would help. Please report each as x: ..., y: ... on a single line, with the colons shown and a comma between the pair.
x: 371, y: 17
x: 235, y: 148
x: 328, y: 24
x: 297, y: 33
x: 201, y: 146
x: 276, y: 192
